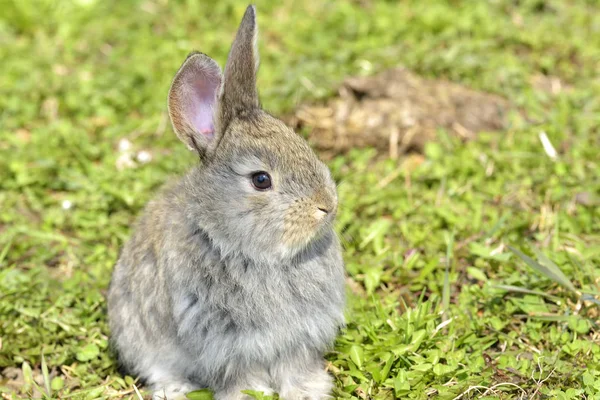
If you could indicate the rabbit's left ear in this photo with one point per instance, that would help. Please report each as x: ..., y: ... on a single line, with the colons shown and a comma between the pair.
x: 239, y: 86
x: 193, y: 102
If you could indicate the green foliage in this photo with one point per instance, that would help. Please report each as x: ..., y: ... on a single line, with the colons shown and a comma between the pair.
x: 202, y: 394
x: 440, y: 304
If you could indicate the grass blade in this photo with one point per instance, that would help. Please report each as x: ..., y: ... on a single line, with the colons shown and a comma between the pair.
x: 449, y: 256
x: 587, y: 297
x: 518, y: 289
x: 551, y: 272
x: 5, y: 251
x: 27, y: 377
x: 46, y: 376
x: 548, y: 263
x: 552, y: 318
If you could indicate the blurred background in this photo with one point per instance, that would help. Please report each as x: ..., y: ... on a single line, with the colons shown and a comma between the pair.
x: 464, y: 136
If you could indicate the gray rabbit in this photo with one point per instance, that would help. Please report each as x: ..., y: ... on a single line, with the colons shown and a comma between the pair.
x: 233, y: 278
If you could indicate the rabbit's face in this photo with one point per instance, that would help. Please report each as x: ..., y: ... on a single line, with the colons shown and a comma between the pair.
x: 261, y: 191
x: 273, y: 194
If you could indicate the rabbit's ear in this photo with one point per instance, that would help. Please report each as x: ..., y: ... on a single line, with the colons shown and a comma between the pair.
x: 239, y: 88
x: 193, y: 101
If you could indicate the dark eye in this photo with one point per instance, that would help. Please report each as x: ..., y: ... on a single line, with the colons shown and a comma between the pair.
x: 261, y: 180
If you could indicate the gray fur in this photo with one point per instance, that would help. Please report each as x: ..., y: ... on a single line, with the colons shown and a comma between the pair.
x: 221, y: 285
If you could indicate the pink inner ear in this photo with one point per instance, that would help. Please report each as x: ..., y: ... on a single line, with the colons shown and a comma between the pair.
x: 202, y: 98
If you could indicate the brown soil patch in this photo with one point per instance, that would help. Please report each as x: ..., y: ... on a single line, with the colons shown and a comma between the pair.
x: 398, y: 112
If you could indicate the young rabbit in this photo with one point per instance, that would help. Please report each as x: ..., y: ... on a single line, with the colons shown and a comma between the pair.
x: 233, y: 278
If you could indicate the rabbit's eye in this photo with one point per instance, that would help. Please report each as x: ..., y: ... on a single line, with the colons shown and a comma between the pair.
x: 261, y: 180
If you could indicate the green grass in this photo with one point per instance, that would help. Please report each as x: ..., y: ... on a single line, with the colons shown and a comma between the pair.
x: 454, y: 256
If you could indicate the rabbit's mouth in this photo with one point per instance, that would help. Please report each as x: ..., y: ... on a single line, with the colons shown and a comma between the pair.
x: 308, y: 242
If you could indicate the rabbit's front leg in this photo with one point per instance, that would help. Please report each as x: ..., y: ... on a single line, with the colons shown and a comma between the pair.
x: 256, y: 381
x: 172, y: 391
x: 235, y: 393
x: 306, y: 384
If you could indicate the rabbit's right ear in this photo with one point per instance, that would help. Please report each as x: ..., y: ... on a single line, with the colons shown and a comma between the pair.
x: 193, y: 102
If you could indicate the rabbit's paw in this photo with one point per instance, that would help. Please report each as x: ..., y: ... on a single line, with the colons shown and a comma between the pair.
x: 315, y: 385
x: 301, y: 394
x: 172, y: 391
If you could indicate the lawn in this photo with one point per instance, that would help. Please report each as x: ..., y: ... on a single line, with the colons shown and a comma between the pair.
x: 473, y: 269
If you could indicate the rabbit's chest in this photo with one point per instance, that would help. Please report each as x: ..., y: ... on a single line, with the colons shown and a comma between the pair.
x: 283, y: 298
x: 263, y: 313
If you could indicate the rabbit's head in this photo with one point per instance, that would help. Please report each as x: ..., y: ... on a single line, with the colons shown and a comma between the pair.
x: 261, y: 190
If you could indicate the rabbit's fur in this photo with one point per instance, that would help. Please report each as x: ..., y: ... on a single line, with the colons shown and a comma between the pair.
x: 222, y: 285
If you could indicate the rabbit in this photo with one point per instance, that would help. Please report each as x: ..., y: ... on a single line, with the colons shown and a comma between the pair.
x: 233, y: 278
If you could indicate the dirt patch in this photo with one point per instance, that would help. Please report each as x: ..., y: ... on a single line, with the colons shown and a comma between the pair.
x: 398, y: 112
x: 14, y: 380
